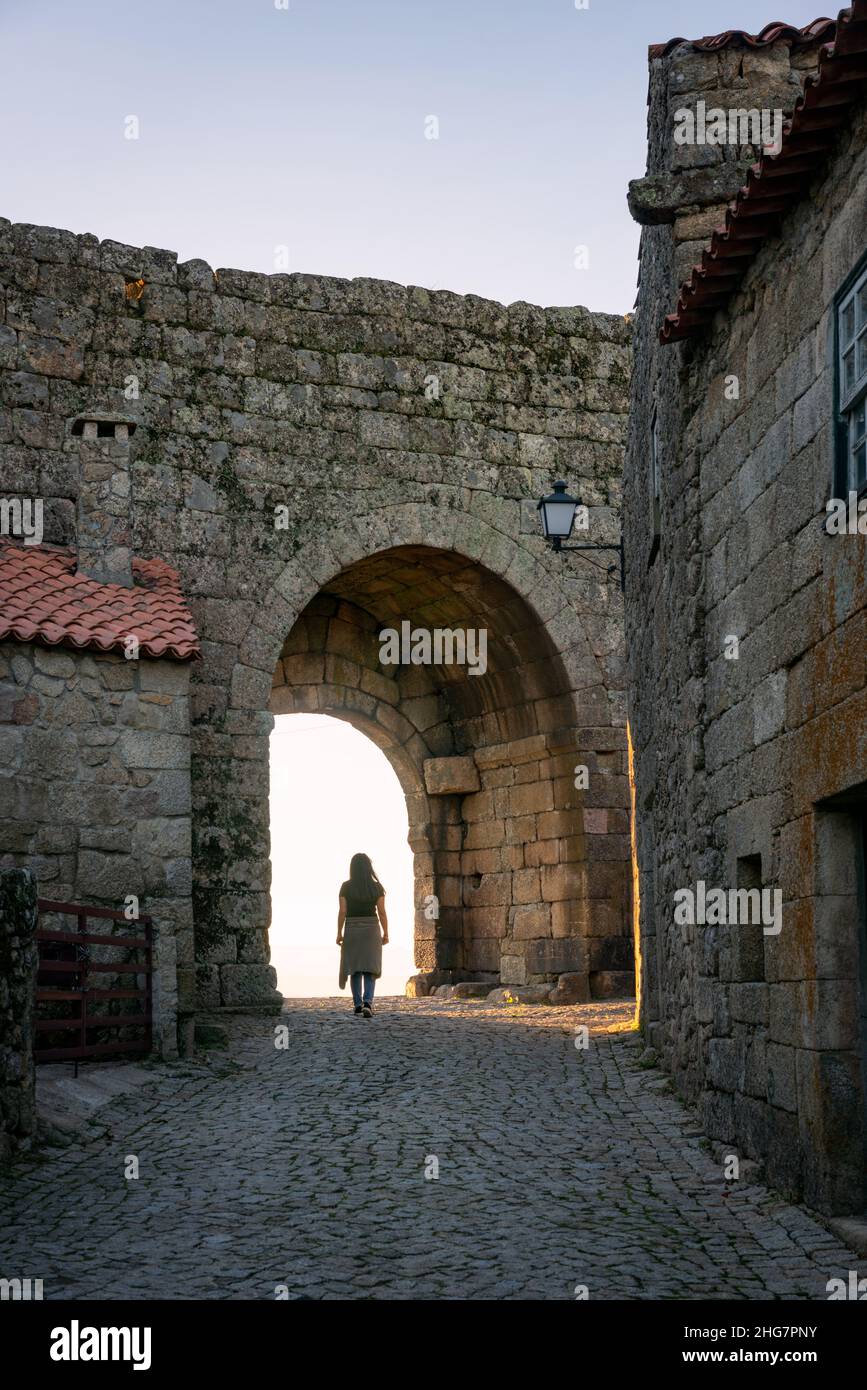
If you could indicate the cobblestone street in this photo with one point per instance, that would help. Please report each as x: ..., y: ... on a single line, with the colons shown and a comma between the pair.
x: 306, y: 1167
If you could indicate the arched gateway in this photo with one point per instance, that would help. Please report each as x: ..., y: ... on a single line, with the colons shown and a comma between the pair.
x: 520, y: 875
x: 303, y: 463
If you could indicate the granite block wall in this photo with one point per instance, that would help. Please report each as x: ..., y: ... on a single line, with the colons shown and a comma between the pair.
x: 750, y: 756
x: 95, y: 795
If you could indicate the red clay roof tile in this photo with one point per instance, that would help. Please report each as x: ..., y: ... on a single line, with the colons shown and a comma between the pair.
x: 43, y: 599
x: 777, y: 181
x: 819, y: 30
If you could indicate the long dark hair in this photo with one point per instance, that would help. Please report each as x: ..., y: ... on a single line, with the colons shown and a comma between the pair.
x: 362, y: 878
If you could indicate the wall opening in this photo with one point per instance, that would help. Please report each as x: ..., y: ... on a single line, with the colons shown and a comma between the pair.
x: 748, y: 939
x: 521, y: 867
x: 837, y: 1016
x: 333, y: 793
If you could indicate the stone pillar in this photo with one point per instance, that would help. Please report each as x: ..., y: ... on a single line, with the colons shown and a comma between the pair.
x: 18, y: 914
x: 104, y: 530
x: 231, y: 858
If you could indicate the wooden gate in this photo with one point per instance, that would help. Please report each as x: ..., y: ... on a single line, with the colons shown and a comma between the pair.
x: 69, y: 998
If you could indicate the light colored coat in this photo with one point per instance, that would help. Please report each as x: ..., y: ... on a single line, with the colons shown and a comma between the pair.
x: 361, y: 949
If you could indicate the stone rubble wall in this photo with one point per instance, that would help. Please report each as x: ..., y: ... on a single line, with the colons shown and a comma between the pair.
x: 18, y: 916
x: 95, y: 793
x: 378, y: 417
x: 741, y: 762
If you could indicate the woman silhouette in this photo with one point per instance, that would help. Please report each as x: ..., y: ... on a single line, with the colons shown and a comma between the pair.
x: 361, y: 915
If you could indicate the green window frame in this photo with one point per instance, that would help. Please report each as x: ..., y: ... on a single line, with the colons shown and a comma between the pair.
x: 850, y: 325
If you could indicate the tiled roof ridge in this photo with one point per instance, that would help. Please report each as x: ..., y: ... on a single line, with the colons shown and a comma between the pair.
x: 817, y: 31
x: 777, y: 181
x: 43, y: 599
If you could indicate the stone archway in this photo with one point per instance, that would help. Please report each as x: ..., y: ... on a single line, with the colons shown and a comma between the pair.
x: 531, y: 875
x: 328, y: 666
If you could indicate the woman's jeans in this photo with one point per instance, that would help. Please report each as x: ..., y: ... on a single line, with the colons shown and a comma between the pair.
x: 369, y: 983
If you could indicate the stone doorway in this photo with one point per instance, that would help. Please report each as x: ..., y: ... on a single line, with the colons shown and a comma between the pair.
x: 832, y: 1066
x: 333, y: 793
x: 515, y: 775
x: 517, y: 877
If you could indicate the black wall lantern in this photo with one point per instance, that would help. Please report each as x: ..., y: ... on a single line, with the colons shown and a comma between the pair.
x: 558, y: 517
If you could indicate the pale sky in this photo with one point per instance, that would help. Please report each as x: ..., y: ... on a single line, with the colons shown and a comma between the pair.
x: 305, y: 128
x: 333, y: 794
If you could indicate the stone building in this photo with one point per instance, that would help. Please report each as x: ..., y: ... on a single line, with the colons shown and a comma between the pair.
x: 316, y: 460
x: 746, y: 622
x: 95, y: 733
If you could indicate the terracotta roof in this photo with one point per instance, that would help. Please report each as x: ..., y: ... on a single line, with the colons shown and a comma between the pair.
x: 820, y: 30
x: 43, y: 599
x: 778, y: 181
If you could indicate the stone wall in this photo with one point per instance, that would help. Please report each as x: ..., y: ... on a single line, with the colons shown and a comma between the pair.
x: 17, y: 981
x: 95, y: 793
x: 751, y: 770
x: 688, y: 186
x: 295, y: 440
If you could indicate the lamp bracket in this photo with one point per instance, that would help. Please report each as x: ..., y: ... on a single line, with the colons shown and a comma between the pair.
x: 556, y: 544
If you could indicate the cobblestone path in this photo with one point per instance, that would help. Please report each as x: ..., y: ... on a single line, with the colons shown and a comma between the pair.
x: 305, y: 1167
